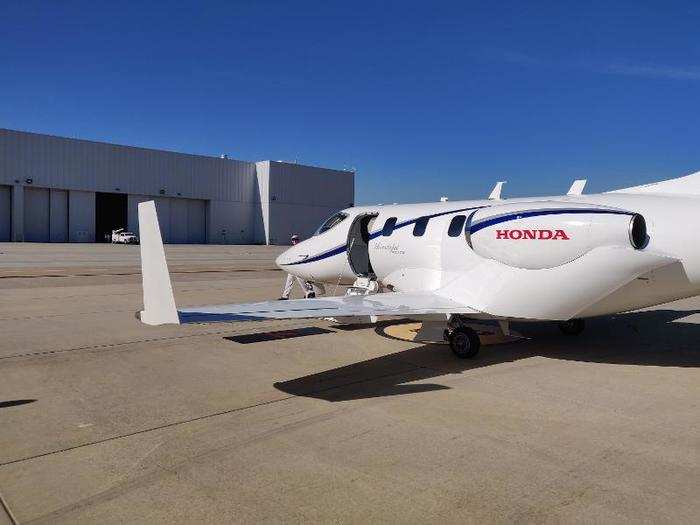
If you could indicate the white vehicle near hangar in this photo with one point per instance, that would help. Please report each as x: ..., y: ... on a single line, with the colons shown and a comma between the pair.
x: 121, y: 236
x: 560, y: 258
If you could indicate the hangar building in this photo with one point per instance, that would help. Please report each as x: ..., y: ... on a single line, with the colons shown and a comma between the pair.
x: 55, y: 189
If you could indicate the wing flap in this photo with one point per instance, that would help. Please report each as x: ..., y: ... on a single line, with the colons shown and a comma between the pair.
x: 384, y: 304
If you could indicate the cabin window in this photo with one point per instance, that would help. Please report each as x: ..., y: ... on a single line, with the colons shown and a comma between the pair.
x: 389, y: 226
x: 332, y: 222
x: 456, y: 226
x: 421, y: 225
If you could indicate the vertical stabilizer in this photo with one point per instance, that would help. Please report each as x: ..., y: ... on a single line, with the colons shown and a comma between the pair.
x: 158, y: 300
x: 496, y: 191
x: 577, y: 187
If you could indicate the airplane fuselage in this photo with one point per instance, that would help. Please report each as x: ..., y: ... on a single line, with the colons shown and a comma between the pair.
x: 451, y: 245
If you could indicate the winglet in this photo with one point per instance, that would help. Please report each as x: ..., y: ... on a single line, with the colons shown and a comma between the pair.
x: 577, y: 187
x: 158, y: 300
x: 496, y: 191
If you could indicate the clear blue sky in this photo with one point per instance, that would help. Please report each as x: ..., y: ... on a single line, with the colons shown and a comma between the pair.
x: 422, y: 99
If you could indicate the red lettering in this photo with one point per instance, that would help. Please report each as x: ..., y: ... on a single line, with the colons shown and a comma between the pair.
x: 542, y: 235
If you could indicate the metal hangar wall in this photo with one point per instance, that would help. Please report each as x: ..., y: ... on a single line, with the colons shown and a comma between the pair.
x: 55, y: 189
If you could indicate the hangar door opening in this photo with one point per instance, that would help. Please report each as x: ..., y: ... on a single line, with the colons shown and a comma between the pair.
x: 111, y: 213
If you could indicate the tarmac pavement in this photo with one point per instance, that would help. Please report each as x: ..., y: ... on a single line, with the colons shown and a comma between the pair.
x: 106, y: 420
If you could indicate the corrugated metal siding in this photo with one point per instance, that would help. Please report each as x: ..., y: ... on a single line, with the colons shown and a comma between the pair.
x: 238, y: 201
x: 58, y: 228
x: 81, y: 216
x: 308, y: 185
x: 196, y: 221
x: 301, y: 197
x: 36, y: 215
x: 56, y: 162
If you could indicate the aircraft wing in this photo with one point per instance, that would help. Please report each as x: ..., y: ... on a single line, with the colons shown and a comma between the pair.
x: 159, y: 302
x: 386, y: 304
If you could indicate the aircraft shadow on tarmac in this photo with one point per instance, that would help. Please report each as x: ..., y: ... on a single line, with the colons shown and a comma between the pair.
x: 649, y: 338
x: 15, y: 402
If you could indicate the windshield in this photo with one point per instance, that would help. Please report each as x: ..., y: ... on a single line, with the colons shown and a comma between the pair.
x: 331, y: 222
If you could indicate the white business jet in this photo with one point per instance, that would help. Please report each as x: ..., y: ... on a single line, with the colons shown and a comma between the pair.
x: 562, y: 258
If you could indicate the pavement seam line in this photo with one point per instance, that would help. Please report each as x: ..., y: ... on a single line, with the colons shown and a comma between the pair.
x: 126, y: 343
x: 198, y: 418
x: 6, y: 508
x: 146, y: 430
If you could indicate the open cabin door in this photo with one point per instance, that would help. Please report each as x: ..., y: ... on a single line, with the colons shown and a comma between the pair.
x: 358, y: 245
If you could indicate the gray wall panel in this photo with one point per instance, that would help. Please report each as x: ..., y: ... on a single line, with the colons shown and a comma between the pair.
x: 5, y: 213
x: 36, y: 215
x: 58, y: 228
x: 196, y: 221
x: 229, y: 222
x: 133, y: 211
x: 178, y: 221
x: 163, y: 211
x: 81, y: 216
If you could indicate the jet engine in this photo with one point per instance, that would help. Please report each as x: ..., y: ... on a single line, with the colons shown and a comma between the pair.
x: 545, y: 234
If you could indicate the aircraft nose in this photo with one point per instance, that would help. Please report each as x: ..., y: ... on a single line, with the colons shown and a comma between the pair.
x: 289, y: 256
x: 282, y: 259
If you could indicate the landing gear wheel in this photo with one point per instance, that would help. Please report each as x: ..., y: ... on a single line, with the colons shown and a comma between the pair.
x: 464, y: 342
x: 572, y: 326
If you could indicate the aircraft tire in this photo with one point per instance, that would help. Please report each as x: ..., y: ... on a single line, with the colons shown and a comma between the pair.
x: 572, y: 326
x: 464, y: 342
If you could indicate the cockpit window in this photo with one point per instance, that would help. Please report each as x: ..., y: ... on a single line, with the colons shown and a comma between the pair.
x: 332, y: 222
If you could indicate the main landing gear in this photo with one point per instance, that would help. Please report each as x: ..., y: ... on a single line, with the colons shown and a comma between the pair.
x: 463, y: 339
x: 572, y: 326
x: 464, y: 342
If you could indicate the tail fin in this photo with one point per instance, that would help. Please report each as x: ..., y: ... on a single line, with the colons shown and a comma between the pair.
x: 158, y: 300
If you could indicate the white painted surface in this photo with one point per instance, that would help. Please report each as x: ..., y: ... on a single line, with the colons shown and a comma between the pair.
x: 496, y: 191
x: 577, y: 187
x: 158, y: 299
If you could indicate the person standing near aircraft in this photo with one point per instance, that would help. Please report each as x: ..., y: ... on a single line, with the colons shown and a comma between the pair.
x: 305, y: 286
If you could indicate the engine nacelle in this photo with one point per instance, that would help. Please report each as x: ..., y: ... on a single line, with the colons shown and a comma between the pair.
x: 545, y: 234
